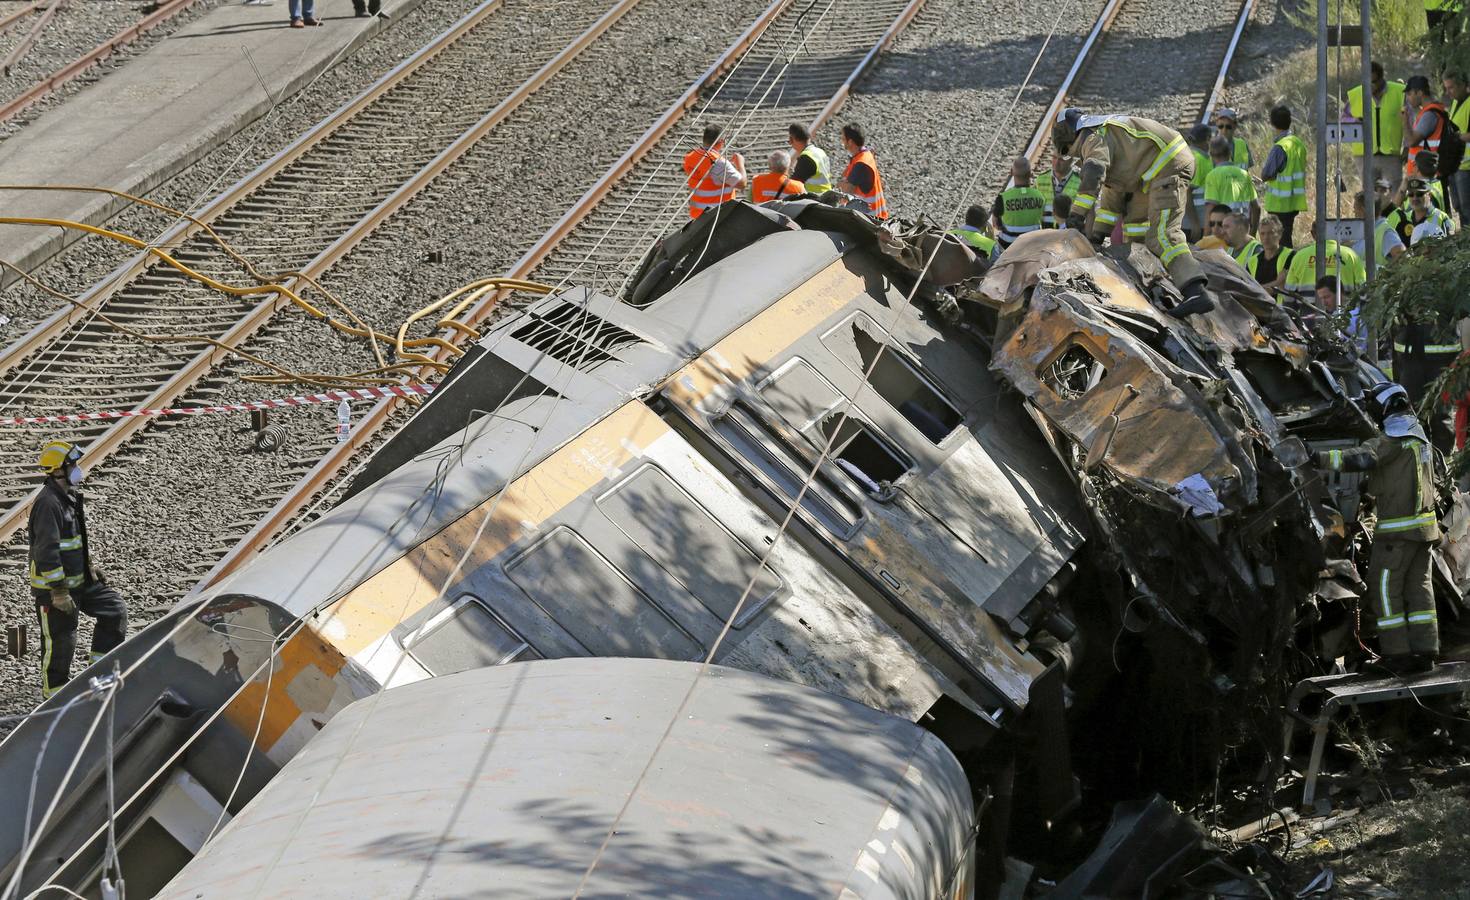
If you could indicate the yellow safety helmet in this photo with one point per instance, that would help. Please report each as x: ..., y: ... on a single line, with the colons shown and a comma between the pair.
x: 57, y: 454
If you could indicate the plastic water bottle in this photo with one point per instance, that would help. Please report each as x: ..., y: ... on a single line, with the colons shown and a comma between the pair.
x: 344, y: 421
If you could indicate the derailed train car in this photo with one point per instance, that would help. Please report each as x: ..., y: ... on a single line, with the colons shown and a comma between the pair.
x: 606, y: 478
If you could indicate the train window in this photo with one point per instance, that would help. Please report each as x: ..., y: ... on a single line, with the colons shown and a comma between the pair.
x: 467, y: 636
x: 759, y: 444
x: 594, y: 602
x: 689, y: 543
x: 800, y: 394
x: 893, y: 379
x: 865, y: 457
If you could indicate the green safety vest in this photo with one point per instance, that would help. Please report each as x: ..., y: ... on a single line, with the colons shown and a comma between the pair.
x: 1044, y: 184
x: 1380, y: 229
x: 1022, y: 209
x: 1202, y: 167
x: 1287, y: 192
x: 1388, y: 128
x: 1344, y: 262
x: 1460, y: 115
x: 821, y: 182
x: 1249, y: 254
x: 1230, y: 185
x: 975, y: 238
x: 1242, y: 155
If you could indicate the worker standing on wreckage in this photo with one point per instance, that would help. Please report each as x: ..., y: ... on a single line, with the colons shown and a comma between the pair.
x: 1402, y: 480
x: 1150, y: 165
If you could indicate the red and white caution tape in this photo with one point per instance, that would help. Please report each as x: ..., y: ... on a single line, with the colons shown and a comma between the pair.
x: 370, y: 393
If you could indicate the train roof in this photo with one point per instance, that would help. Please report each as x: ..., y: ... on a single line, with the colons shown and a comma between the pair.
x: 511, y: 777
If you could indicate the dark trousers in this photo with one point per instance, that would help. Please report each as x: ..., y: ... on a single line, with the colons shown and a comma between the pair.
x: 1402, y: 588
x: 59, y: 630
x: 1288, y: 225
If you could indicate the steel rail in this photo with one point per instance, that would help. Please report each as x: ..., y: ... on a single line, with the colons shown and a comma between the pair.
x: 18, y: 52
x: 118, y: 434
x: 50, y: 328
x: 1035, y: 150
x: 1246, y: 8
x: 71, y: 70
x: 861, y: 69
x: 335, y: 461
x: 10, y: 19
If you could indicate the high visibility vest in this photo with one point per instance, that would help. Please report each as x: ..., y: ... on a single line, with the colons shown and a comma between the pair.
x: 1431, y: 142
x: 1048, y: 190
x: 1022, y: 209
x: 1202, y: 166
x: 1380, y: 231
x: 772, y: 185
x: 877, y: 203
x: 1388, y: 128
x: 977, y: 239
x: 1249, y: 254
x: 1287, y: 192
x: 1242, y: 154
x: 708, y: 193
x: 1231, y: 186
x: 1344, y: 262
x: 1460, y: 115
x: 821, y: 182
x: 1445, y: 5
x: 1440, y: 220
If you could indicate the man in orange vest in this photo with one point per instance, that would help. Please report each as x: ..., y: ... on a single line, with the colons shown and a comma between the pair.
x: 712, y: 178
x: 775, y: 184
x: 861, y: 178
x: 1428, y: 118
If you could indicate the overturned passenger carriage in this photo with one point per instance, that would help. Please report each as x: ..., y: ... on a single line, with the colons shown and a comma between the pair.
x: 608, y: 478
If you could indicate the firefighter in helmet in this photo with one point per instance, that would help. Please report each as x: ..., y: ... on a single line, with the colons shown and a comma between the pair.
x: 63, y: 578
x: 1140, y: 170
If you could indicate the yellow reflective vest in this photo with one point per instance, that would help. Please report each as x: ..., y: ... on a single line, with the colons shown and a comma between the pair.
x: 1287, y: 192
x: 1388, y: 124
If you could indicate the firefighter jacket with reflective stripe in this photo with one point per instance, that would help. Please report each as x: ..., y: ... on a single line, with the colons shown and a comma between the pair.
x: 876, y: 201
x: 1388, y: 126
x: 1343, y: 262
x: 1401, y: 479
x: 1022, y: 209
x: 1460, y: 115
x: 1287, y: 192
x: 1432, y: 141
x: 1127, y: 154
x: 978, y: 240
x: 771, y: 185
x: 699, y: 166
x: 1049, y: 190
x: 58, y: 539
x: 821, y: 182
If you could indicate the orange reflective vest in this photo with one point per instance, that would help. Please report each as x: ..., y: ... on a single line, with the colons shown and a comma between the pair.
x: 708, y: 193
x: 876, y: 201
x: 1431, y: 142
x: 771, y: 185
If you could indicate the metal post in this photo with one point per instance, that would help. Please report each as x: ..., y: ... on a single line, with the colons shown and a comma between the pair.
x: 1370, y: 196
x: 1321, y: 118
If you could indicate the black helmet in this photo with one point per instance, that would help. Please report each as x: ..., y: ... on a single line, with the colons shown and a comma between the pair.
x: 1064, y: 130
x: 1385, y: 399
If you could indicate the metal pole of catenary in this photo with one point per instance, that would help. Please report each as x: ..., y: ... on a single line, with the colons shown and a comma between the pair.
x: 1370, y: 193
x: 1321, y: 117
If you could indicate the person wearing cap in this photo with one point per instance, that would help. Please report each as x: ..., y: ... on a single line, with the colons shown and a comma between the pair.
x: 1428, y: 117
x: 1387, y: 140
x: 1226, y: 124
x: 1426, y: 220
x: 1400, y: 467
x: 1457, y: 93
x: 1123, y: 155
x: 63, y: 576
x: 1198, y: 139
x: 1387, y: 245
x: 1285, y: 174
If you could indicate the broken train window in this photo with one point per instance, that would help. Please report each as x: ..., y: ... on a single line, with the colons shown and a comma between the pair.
x: 1073, y: 372
x: 894, y: 377
x: 858, y: 450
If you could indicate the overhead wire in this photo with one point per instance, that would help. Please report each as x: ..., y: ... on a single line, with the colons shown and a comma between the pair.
x: 899, y: 312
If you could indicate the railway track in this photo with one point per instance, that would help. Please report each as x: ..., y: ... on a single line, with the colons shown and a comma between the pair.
x: 803, y: 60
x: 412, y: 125
x: 30, y: 20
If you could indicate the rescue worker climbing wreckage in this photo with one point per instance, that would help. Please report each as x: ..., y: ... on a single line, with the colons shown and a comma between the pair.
x: 63, y: 577
x: 1401, y: 464
x: 1128, y: 155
